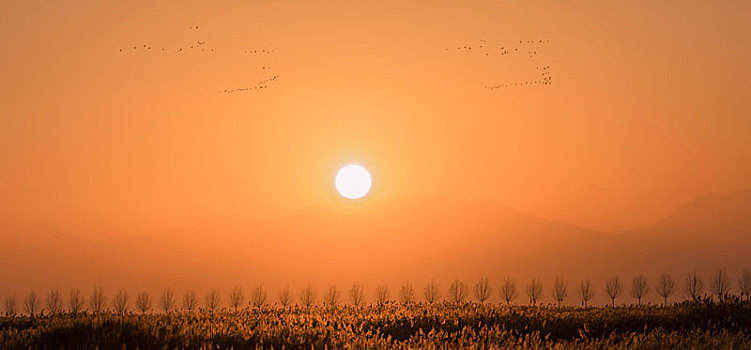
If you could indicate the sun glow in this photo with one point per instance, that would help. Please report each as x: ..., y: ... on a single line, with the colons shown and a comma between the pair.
x: 353, y: 182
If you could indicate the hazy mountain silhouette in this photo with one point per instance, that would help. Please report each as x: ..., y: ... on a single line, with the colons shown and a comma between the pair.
x: 415, y: 238
x: 721, y: 214
x: 710, y: 231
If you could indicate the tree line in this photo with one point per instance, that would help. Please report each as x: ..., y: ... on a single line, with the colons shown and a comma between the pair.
x: 720, y: 288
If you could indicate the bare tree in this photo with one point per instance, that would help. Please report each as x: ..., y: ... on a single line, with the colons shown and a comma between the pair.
x: 236, y: 298
x: 665, y: 287
x: 258, y: 296
x: 167, y: 300
x: 331, y: 298
x: 457, y: 291
x: 382, y: 294
x: 407, y: 293
x: 190, y: 301
x: 534, y: 291
x: 75, y: 302
x: 285, y: 297
x: 639, y: 287
x: 560, y: 290
x: 10, y: 305
x: 613, y: 287
x: 54, y: 302
x: 721, y: 285
x: 97, y: 300
x: 693, y: 286
x: 744, y: 284
x: 431, y: 292
x: 143, y: 302
x: 120, y: 302
x: 508, y: 292
x: 586, y: 292
x: 212, y: 300
x: 31, y: 304
x: 307, y: 296
x: 357, y: 295
x: 482, y: 290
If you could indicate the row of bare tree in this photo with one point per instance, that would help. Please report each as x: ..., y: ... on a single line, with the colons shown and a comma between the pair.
x: 693, y: 287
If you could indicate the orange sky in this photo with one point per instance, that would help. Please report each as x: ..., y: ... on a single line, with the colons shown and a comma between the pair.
x: 649, y: 106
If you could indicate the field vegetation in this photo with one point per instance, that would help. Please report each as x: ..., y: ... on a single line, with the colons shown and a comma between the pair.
x: 702, y: 324
x: 710, y: 317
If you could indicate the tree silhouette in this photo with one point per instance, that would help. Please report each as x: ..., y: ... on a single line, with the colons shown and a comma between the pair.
x: 212, y: 300
x: 190, y: 301
x: 407, y: 293
x: 721, y: 285
x: 143, y: 302
x: 236, y: 298
x: 307, y: 296
x: 693, y: 286
x: 639, y: 287
x: 457, y: 291
x: 54, y: 302
x: 613, y: 287
x: 97, y: 300
x: 533, y: 291
x: 10, y: 305
x: 120, y: 302
x: 285, y: 297
x: 331, y: 298
x: 357, y: 295
x: 258, y: 296
x: 431, y: 292
x: 382, y: 294
x: 560, y: 290
x: 586, y: 292
x: 744, y: 284
x: 167, y: 300
x: 75, y: 301
x: 482, y: 290
x: 508, y: 292
x: 665, y: 287
x: 31, y: 304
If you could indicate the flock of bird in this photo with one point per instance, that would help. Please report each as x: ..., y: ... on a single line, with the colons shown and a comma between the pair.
x: 528, y: 48
x: 203, y: 46
x: 261, y: 51
x: 543, y: 79
x: 263, y: 84
x: 525, y: 47
x: 199, y: 45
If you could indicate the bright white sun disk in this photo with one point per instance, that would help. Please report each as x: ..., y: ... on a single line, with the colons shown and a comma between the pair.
x: 353, y: 181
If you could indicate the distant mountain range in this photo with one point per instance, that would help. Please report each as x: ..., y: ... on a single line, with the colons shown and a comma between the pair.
x: 720, y: 214
x: 416, y: 238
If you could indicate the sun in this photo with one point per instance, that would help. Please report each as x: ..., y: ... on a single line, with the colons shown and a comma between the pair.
x: 353, y: 182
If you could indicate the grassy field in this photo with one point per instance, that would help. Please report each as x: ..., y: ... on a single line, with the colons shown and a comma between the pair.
x: 687, y: 325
